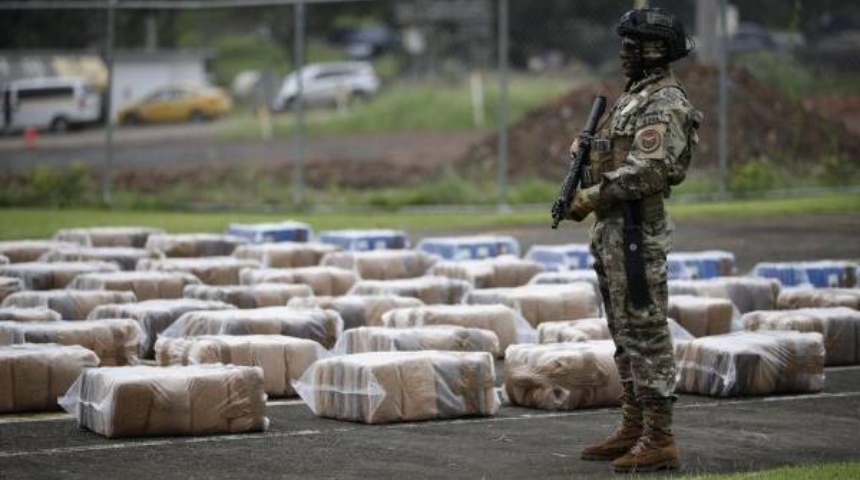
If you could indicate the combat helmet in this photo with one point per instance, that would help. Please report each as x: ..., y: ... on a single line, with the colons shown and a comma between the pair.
x: 656, y: 24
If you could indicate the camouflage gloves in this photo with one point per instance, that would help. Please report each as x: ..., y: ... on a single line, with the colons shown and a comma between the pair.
x: 583, y: 203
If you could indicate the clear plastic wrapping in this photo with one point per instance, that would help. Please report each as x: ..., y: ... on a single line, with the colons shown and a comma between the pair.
x: 751, y: 363
x: 154, y: 316
x: 193, y: 244
x: 271, y: 232
x: 23, y: 251
x: 283, y: 359
x: 703, y: 316
x: 383, y: 387
x: 382, y: 264
x: 125, y: 257
x: 70, y: 304
x: 821, y: 274
x: 323, y: 326
x: 4, y: 260
x: 134, y: 237
x: 194, y: 400
x: 48, y: 276
x: 560, y: 258
x: 34, y: 314
x: 502, y: 271
x: 10, y: 285
x: 441, y: 337
x: 543, y: 303
x: 116, y: 342
x: 840, y: 327
x: 357, y: 310
x: 431, y: 290
x: 33, y: 377
x: 470, y: 246
x: 508, y: 325
x: 582, y: 330
x: 793, y: 298
x: 705, y: 264
x: 146, y: 285
x: 369, y: 239
x: 210, y: 270
x: 250, y: 296
x: 746, y: 293
x: 322, y: 280
x: 562, y: 376
x: 285, y: 254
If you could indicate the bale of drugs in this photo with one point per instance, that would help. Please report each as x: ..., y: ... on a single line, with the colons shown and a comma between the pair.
x: 820, y: 274
x: 70, y: 304
x: 33, y: 377
x: 125, y: 257
x: 285, y: 254
x: 384, y: 387
x: 193, y: 400
x: 357, y: 310
x: 322, y: 280
x: 34, y: 314
x: 562, y: 376
x: 840, y: 327
x: 48, y: 276
x: 133, y: 237
x: 10, y: 285
x: 702, y: 316
x: 23, y: 251
x: 193, y: 244
x: 441, y: 337
x: 794, y: 298
x: 502, y: 271
x: 283, y: 359
x: 210, y: 270
x: 431, y: 290
x: 146, y: 285
x: 746, y: 293
x: 543, y: 303
x: 566, y: 331
x: 4, y: 260
x: 116, y: 342
x: 250, y: 296
x: 382, y: 264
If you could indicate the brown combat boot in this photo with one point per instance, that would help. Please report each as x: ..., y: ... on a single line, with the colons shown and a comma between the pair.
x: 656, y: 450
x: 625, y: 436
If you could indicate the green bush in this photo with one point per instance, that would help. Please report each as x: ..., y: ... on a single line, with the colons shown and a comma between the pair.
x: 780, y: 70
x: 61, y: 187
x: 755, y: 175
x: 533, y: 190
x: 836, y: 170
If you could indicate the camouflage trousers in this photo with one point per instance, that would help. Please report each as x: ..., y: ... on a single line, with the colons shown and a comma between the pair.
x: 644, y: 353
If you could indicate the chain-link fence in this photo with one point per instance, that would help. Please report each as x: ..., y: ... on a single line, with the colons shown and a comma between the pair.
x: 398, y: 103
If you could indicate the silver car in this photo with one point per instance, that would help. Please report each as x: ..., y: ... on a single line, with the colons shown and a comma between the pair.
x: 330, y: 84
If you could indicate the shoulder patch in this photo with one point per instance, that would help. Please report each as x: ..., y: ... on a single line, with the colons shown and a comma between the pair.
x: 649, y: 141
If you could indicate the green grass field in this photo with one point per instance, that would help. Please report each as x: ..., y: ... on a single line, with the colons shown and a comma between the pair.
x: 831, y: 471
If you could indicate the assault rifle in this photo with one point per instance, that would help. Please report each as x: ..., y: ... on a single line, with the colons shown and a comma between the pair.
x: 578, y: 162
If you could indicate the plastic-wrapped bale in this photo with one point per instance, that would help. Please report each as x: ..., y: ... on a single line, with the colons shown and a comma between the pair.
x: 543, y: 303
x: 210, y: 270
x: 283, y: 359
x: 793, y: 298
x: 35, y: 314
x: 441, y: 337
x: 116, y: 342
x: 503, y: 271
x: 286, y: 254
x: 702, y: 316
x: 47, y: 276
x: 821, y: 274
x: 125, y: 257
x: 193, y: 244
x: 134, y: 237
x: 508, y: 325
x: 193, y: 400
x: 582, y: 330
x: 470, y: 247
x: 23, y: 251
x: 10, y: 285
x: 154, y: 316
x: 323, y: 326
x: 560, y: 258
x: 382, y: 264
x: 250, y: 296
x: 287, y: 231
x: 34, y: 376
x: 751, y: 363
x: 357, y: 310
x: 70, y: 304
x: 746, y: 293
x: 146, y: 285
x: 384, y: 387
x: 705, y: 264
x: 322, y: 280
x: 563, y: 278
x: 4, y: 260
x: 431, y: 290
x: 840, y: 327
x: 562, y: 376
x: 361, y: 240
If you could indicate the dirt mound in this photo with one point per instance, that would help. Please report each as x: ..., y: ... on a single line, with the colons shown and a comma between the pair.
x: 763, y: 123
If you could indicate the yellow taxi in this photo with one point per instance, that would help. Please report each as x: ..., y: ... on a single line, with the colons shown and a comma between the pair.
x: 177, y: 104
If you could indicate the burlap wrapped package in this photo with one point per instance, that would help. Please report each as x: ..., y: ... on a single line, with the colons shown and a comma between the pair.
x: 441, y: 337
x: 794, y: 298
x: 33, y: 377
x: 154, y: 316
x: 193, y: 244
x: 10, y: 285
x: 582, y: 330
x: 702, y: 316
x: 70, y: 304
x: 250, y: 296
x: 283, y: 359
x: 193, y: 400
x: 543, y: 303
x: 146, y: 285
x: 322, y: 280
x: 508, y: 325
x: 34, y: 314
x: 21, y: 251
x: 382, y: 264
x: 323, y: 326
x: 431, y: 290
x: 751, y: 363
x: 502, y: 271
x: 383, y: 387
x: 116, y: 342
x: 48, y: 276
x: 125, y: 257
x: 357, y: 310
x: 285, y: 254
x: 840, y: 327
x: 746, y: 293
x: 210, y: 270
x: 562, y: 376
x: 134, y: 237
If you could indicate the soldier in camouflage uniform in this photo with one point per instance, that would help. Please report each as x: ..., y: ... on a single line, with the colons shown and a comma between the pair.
x: 642, y: 149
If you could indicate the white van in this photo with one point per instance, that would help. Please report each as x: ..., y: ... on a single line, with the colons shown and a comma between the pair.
x: 48, y: 104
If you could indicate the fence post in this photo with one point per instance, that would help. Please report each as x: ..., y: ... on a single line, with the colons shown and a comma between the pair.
x: 298, y: 55
x: 723, y: 96
x: 107, y: 174
x: 503, y: 104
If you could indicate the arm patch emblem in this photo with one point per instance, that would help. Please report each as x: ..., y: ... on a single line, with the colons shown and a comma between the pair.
x: 649, y: 141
